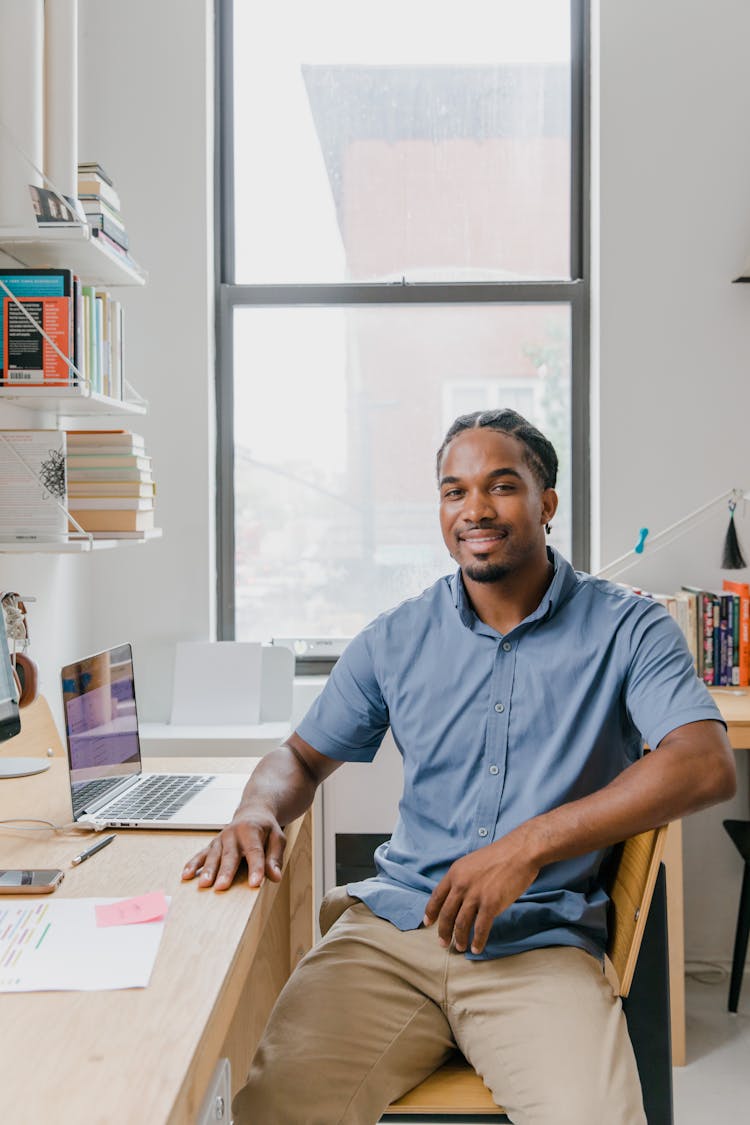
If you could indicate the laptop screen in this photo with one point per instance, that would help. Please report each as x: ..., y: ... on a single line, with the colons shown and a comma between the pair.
x: 101, y: 723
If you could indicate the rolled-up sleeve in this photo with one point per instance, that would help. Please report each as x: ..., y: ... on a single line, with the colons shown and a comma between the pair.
x: 349, y: 718
x: 662, y: 690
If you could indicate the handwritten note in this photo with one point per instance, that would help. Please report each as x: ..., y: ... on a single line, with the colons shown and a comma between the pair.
x: 130, y: 911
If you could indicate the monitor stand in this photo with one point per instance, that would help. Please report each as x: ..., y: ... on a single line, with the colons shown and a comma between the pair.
x: 22, y: 767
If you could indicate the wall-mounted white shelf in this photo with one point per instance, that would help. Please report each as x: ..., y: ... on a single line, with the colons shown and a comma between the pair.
x: 68, y: 402
x: 70, y: 247
x: 75, y: 545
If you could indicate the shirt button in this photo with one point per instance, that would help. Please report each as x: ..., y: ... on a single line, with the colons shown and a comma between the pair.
x: 494, y: 770
x: 507, y: 646
x: 499, y: 707
x: 483, y: 832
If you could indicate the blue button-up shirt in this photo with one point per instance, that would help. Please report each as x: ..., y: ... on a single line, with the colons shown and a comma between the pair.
x: 496, y: 729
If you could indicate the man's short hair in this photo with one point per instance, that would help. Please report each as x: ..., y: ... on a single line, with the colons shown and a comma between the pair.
x: 539, y: 453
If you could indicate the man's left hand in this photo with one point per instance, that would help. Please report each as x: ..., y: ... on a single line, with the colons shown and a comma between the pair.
x: 478, y: 887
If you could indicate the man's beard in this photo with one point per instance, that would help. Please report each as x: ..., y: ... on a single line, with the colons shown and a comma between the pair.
x: 487, y: 572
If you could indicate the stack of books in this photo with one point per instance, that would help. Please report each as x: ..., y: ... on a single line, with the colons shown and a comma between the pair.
x: 83, y: 323
x: 716, y: 625
x: 110, y: 485
x: 101, y: 204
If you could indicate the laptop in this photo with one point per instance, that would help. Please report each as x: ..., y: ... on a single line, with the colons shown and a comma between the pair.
x: 107, y: 784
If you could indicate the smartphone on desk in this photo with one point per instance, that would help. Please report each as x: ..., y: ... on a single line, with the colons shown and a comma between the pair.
x: 29, y: 881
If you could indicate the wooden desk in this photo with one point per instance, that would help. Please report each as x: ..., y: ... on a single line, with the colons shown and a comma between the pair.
x: 119, y: 1057
x: 734, y: 704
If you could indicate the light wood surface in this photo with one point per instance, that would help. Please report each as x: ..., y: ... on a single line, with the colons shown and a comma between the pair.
x: 631, y: 897
x: 454, y: 1088
x: 147, y: 1055
x: 38, y: 733
x: 676, y: 931
x: 734, y: 704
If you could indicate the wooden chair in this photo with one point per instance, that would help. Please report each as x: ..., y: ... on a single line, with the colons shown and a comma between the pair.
x: 456, y: 1090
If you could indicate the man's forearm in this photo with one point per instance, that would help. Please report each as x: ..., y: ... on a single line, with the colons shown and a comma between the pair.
x: 282, y: 783
x: 675, y: 780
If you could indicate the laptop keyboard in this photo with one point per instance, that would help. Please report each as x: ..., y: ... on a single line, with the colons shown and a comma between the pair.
x: 157, y: 798
x: 88, y: 791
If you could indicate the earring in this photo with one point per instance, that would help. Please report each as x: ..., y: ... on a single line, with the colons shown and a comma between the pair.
x: 548, y: 528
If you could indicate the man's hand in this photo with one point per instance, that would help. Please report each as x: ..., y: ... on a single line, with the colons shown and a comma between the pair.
x: 254, y: 835
x: 477, y: 888
x: 281, y: 788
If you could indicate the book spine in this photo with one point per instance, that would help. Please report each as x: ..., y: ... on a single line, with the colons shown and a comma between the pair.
x: 77, y: 327
x: 98, y: 344
x: 695, y: 626
x: 90, y: 316
x: 708, y: 640
x: 720, y: 642
x: 735, y: 640
x: 113, y: 230
x: 744, y: 641
x: 692, y: 630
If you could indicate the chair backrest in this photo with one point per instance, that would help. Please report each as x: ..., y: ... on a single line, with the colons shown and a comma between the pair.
x: 631, y: 893
x: 38, y: 732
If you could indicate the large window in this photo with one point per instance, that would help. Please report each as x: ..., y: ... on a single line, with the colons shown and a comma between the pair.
x: 401, y: 241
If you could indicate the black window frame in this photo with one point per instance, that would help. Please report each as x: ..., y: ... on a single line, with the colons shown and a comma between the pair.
x: 229, y: 295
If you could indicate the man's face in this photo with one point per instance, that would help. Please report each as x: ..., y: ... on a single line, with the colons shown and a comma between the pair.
x: 492, y: 507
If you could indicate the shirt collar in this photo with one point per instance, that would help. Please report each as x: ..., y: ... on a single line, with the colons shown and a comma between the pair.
x: 564, y: 581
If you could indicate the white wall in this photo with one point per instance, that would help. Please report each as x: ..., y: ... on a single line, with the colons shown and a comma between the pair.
x: 146, y: 115
x: 674, y: 334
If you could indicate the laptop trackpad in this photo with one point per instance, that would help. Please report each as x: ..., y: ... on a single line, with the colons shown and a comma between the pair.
x: 215, y: 805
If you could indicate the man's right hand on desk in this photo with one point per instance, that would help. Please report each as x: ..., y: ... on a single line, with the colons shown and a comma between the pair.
x: 281, y: 788
x: 254, y: 835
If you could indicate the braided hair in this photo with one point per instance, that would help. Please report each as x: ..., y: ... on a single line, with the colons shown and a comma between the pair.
x: 539, y: 453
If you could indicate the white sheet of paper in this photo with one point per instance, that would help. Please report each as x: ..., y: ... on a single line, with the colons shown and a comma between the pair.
x: 57, y: 946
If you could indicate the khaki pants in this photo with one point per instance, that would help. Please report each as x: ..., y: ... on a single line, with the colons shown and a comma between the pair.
x: 372, y: 1010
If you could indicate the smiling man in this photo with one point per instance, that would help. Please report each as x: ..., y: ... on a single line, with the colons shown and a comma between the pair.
x: 520, y: 694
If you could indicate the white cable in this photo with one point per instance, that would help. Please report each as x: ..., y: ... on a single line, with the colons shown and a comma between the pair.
x: 15, y: 824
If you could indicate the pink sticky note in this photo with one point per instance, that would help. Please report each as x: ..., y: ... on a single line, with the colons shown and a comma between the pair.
x: 143, y: 908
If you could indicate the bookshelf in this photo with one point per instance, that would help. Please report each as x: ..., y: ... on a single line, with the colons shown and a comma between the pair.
x: 72, y: 247
x: 69, y: 247
x: 70, y: 402
x: 76, y: 545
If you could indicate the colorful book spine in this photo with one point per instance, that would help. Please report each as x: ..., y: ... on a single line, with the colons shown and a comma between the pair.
x: 708, y: 639
x: 742, y: 591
